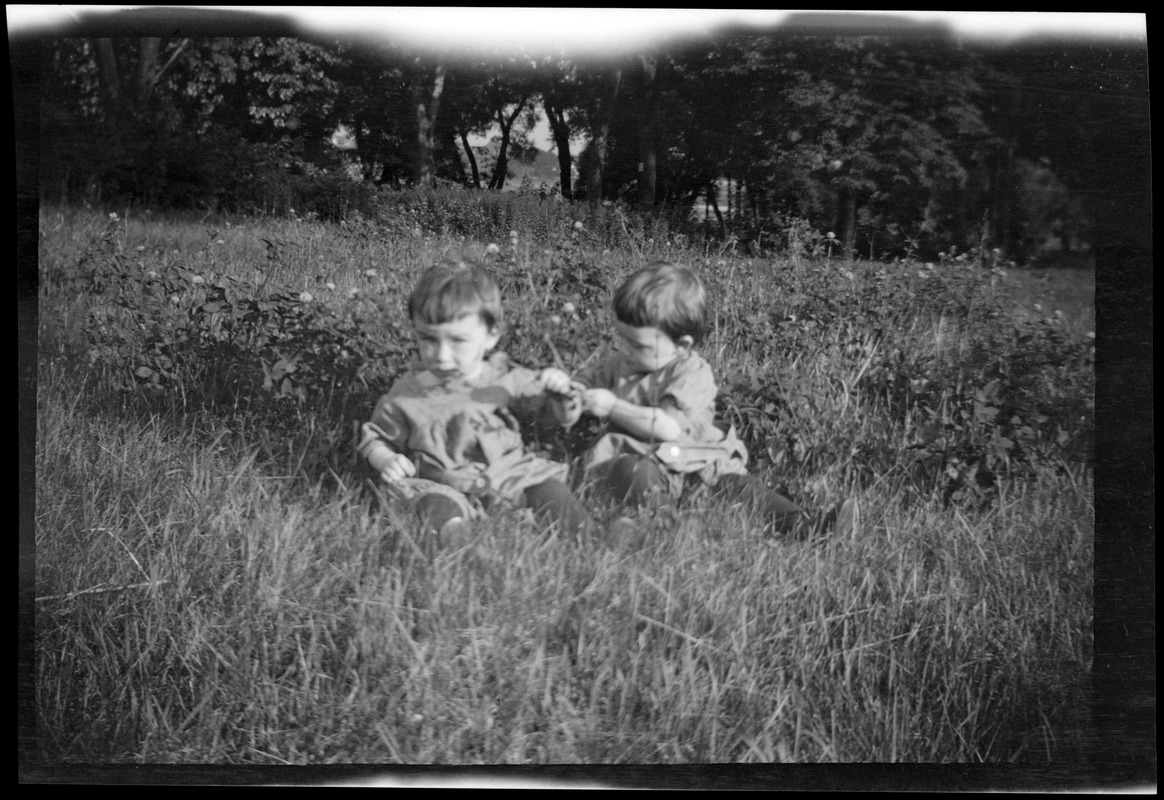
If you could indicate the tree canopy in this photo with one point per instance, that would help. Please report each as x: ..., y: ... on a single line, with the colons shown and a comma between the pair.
x: 890, y: 144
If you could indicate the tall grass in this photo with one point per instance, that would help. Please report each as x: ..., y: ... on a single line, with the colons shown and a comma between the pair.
x: 213, y: 586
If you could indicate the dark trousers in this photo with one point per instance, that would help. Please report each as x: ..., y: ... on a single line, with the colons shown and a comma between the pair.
x: 635, y: 480
x: 550, y: 500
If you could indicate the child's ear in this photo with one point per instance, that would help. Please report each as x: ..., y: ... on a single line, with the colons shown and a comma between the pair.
x: 686, y: 342
x: 492, y: 338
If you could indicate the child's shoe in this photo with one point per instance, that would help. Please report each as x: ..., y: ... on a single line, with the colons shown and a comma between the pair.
x: 454, y: 534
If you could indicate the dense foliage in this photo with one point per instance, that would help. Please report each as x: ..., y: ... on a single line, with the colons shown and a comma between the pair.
x: 894, y: 145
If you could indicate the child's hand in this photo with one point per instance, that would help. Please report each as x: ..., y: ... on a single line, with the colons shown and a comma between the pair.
x: 557, y: 382
x: 397, y: 468
x: 598, y: 402
x: 567, y: 410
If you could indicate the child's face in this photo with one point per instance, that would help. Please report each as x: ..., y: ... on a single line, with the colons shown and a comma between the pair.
x: 646, y: 349
x: 455, y: 349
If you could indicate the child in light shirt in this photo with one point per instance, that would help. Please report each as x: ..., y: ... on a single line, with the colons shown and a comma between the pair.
x: 658, y: 395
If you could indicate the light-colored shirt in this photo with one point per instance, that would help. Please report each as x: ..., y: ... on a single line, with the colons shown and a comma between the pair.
x: 703, y: 448
x: 461, y: 433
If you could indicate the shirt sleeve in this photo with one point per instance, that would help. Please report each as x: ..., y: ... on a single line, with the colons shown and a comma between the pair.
x: 388, y: 425
x: 692, y: 389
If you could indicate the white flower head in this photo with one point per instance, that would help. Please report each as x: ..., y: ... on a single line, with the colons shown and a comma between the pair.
x: 305, y: 297
x: 555, y: 319
x: 568, y: 308
x: 578, y: 225
x: 197, y: 279
x: 492, y: 249
x: 152, y: 274
x: 353, y: 292
x: 513, y: 234
x: 330, y: 286
x: 174, y: 299
x: 370, y: 273
x: 113, y: 216
x: 141, y: 248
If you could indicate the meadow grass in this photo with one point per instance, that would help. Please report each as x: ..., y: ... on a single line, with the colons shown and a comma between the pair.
x: 217, y: 584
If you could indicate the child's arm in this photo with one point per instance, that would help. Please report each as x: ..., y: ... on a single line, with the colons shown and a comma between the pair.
x: 388, y: 464
x: 649, y: 423
x: 377, y: 444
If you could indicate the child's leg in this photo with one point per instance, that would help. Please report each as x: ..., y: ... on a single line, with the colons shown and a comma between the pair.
x: 438, y: 510
x: 637, y: 480
x: 553, y: 499
x: 780, y: 515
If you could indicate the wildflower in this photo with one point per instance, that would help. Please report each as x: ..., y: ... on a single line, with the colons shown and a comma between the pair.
x: 330, y: 286
x: 353, y: 292
x: 113, y: 216
x: 221, y: 241
x: 942, y: 254
x: 830, y: 235
x: 492, y: 249
x: 305, y: 297
x: 152, y: 274
x: 578, y: 225
x: 513, y: 234
x: 174, y: 300
x: 418, y: 717
x: 929, y: 265
x: 849, y: 275
x: 141, y: 248
x: 921, y: 273
x: 568, y: 308
x: 197, y: 279
x: 370, y: 273
x: 1038, y: 306
x: 555, y: 319
x: 416, y: 233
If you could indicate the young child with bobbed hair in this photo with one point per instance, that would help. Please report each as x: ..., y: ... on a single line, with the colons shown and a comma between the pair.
x: 658, y: 395
x: 447, y: 438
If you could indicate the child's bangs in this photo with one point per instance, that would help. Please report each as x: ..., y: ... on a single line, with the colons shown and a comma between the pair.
x: 451, y: 302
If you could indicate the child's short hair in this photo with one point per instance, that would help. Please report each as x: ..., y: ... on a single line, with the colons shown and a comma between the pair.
x: 452, y: 289
x: 665, y: 296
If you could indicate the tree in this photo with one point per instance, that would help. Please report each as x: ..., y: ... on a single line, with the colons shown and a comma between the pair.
x: 427, y: 84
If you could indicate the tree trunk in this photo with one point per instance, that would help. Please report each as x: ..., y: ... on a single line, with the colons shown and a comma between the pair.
x: 598, y: 143
x: 713, y: 201
x: 648, y: 155
x: 476, y: 173
x: 147, y: 68
x: 426, y: 101
x: 501, y: 169
x: 107, y: 76
x: 847, y: 221
x: 561, y: 133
